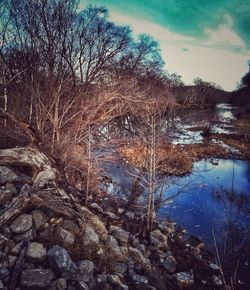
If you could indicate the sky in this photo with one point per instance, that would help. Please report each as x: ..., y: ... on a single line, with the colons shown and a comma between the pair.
x: 209, y: 39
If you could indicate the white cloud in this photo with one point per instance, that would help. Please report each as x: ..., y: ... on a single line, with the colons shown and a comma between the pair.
x: 221, y: 57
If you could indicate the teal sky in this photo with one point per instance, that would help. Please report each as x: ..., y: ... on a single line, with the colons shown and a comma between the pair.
x: 198, y: 38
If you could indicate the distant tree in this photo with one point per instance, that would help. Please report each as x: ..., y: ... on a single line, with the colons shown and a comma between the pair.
x: 175, y: 80
x: 199, y: 82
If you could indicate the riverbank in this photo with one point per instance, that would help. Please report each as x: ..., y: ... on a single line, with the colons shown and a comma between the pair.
x: 49, y: 241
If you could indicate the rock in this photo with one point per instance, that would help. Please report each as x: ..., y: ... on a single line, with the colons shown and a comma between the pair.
x: 5, y: 196
x: 168, y: 227
x: 170, y: 264
x: 96, y: 207
x: 1, y: 285
x: 137, y: 256
x: 39, y: 218
x: 36, y: 278
x: 26, y: 236
x: 84, y: 273
x: 130, y: 215
x: 64, y: 235
x: 21, y: 224
x: 184, y: 279
x: 28, y: 266
x: 60, y: 261
x: 11, y: 187
x: 3, y: 241
x: 7, y: 175
x: 36, y: 252
x: 16, y: 249
x: 119, y: 234
x: 70, y: 226
x: 112, y: 245
x: 61, y: 284
x: 214, y: 267
x: 4, y: 274
x: 90, y: 237
x: 111, y: 215
x: 114, y: 279
x: 47, y: 233
x: 195, y: 242
x: 139, y: 279
x: 217, y: 281
x: 120, y: 267
x: 158, y: 239
x: 82, y: 286
x: 11, y: 261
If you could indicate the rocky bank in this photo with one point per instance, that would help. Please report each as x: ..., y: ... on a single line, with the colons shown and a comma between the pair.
x: 48, y: 240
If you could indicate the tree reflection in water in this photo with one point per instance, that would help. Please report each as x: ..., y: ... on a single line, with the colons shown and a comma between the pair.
x: 233, y: 247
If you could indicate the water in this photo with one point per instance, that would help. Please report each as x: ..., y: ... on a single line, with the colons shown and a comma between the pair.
x: 196, y: 207
x: 215, y: 198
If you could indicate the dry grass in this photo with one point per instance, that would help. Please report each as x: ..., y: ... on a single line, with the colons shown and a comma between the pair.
x: 172, y: 159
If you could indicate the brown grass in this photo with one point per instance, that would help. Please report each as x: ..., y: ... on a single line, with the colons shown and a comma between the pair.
x: 172, y: 159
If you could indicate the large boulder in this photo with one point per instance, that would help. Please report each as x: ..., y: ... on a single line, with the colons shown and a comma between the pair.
x: 61, y: 262
x: 21, y: 224
x: 36, y: 252
x: 36, y: 278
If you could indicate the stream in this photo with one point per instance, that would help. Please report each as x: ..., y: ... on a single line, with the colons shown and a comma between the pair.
x: 213, y: 202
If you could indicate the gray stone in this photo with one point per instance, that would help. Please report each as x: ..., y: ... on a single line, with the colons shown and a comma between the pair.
x: 217, y: 281
x: 130, y: 215
x: 170, y: 264
x: 82, y: 286
x: 111, y: 215
x: 5, y: 196
x: 60, y: 261
x: 114, y: 279
x: 214, y: 267
x: 64, y: 235
x: 184, y: 279
x: 112, y: 245
x: 1, y: 285
x: 7, y: 175
x: 84, y: 273
x: 21, y: 224
x: 16, y: 249
x: 90, y: 237
x: 139, y: 279
x: 158, y: 239
x: 137, y: 256
x: 47, y: 233
x: 96, y: 207
x: 61, y: 284
x: 167, y: 227
x: 3, y: 241
x: 39, y: 218
x: 36, y: 278
x: 26, y: 236
x: 120, y: 235
x: 4, y: 274
x: 11, y: 261
x: 70, y: 226
x: 120, y: 267
x: 36, y: 252
x: 11, y: 187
